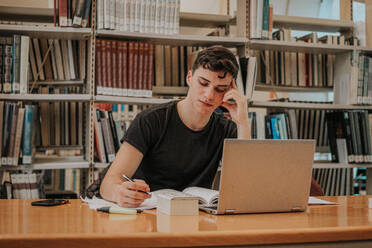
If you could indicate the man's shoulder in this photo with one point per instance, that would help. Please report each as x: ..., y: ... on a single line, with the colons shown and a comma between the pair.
x: 159, y: 110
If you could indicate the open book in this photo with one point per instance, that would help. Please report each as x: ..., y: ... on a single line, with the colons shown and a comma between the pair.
x: 206, y: 196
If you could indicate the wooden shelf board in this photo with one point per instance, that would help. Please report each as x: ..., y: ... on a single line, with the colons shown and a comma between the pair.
x: 312, y: 24
x: 265, y: 87
x: 131, y: 100
x: 62, y: 82
x: 365, y: 50
x: 272, y: 104
x: 204, y: 20
x: 100, y: 165
x: 176, y: 39
x: 46, y: 31
x: 328, y: 165
x: 46, y: 97
x: 167, y: 90
x: 41, y: 164
x: 297, y: 46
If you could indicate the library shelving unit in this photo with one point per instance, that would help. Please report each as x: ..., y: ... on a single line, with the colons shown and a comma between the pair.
x: 186, y: 19
x: 345, y: 26
x: 47, y: 31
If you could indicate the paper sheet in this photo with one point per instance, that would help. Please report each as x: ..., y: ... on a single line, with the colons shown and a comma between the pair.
x: 151, y: 203
x: 95, y: 203
x: 317, y: 201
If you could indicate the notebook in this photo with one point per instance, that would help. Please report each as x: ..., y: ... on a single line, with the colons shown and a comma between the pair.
x: 261, y: 176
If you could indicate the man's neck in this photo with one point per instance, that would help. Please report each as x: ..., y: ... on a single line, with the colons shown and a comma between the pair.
x: 190, y: 117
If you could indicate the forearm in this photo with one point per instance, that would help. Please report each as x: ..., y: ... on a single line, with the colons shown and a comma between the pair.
x: 126, y: 161
x: 109, y: 188
x: 244, y: 130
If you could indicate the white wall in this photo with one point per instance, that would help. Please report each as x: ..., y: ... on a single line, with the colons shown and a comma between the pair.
x: 201, y: 6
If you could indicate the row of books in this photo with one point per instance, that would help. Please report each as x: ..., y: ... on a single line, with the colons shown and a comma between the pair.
x: 16, y: 124
x: 110, y: 124
x: 298, y: 68
x: 353, y: 72
x: 23, y: 59
x: 71, y: 180
x: 261, y: 19
x: 349, y: 135
x: 124, y: 68
x: 47, y: 124
x: 39, y: 184
x: 172, y: 64
x: 59, y: 123
x: 20, y: 186
x: 290, y: 124
x: 346, y: 133
x: 14, y: 53
x: 145, y: 16
x: 335, y: 181
x: 72, y: 13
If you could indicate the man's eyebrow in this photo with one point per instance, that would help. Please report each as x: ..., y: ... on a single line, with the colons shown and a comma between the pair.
x: 204, y: 79
x: 219, y: 85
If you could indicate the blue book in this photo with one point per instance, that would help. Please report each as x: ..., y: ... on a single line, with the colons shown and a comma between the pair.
x: 275, y: 127
x: 27, y: 134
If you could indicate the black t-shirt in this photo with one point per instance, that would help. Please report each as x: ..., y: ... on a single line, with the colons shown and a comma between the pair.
x: 175, y: 156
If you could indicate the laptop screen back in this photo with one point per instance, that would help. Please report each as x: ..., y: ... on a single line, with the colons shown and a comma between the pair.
x: 265, y: 175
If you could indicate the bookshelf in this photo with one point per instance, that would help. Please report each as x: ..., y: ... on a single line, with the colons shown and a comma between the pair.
x: 243, y: 44
x: 345, y: 27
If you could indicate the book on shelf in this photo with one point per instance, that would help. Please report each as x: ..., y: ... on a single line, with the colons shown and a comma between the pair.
x: 150, y: 16
x: 124, y: 68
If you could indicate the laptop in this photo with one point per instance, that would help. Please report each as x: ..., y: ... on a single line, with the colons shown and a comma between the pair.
x: 262, y: 176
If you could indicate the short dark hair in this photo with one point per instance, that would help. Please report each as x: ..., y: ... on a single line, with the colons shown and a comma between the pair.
x: 218, y: 59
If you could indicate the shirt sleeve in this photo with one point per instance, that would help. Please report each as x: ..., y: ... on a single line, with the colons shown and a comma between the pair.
x: 139, y: 133
x: 231, y: 130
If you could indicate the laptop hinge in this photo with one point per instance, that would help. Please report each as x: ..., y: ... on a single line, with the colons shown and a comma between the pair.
x: 297, y: 209
x: 229, y: 211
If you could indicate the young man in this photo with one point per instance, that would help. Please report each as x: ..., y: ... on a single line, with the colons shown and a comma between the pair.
x: 179, y: 144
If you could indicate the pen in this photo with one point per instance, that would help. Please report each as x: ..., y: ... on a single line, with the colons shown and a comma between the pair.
x: 130, y: 180
x: 116, y: 210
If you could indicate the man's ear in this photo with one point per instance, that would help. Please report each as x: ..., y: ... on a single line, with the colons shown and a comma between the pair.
x: 188, y: 78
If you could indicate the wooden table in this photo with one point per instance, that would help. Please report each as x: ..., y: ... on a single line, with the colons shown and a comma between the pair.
x: 75, y: 225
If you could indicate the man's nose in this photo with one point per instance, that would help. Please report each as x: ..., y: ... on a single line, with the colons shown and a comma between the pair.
x: 209, y: 92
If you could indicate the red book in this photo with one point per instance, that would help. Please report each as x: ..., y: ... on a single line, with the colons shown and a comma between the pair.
x: 150, y: 79
x: 103, y: 64
x: 98, y: 66
x: 119, y: 69
x: 62, y: 8
x: 108, y: 66
x: 114, y: 83
x: 125, y: 64
x: 140, y: 66
x: 145, y: 66
x: 130, y: 65
x: 135, y: 66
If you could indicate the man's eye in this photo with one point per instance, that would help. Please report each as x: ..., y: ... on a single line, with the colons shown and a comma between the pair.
x: 203, y: 83
x: 220, y: 90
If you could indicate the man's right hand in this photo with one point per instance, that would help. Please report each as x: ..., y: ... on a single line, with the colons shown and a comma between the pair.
x: 130, y: 195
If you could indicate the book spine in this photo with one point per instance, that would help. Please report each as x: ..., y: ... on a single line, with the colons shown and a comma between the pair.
x: 7, y: 82
x: 27, y: 135
x: 62, y: 8
x: 16, y: 57
x: 85, y: 20
x: 24, y: 64
x: 78, y: 15
x: 13, y: 127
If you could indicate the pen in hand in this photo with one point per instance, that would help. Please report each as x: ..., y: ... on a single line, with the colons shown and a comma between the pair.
x: 130, y: 180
